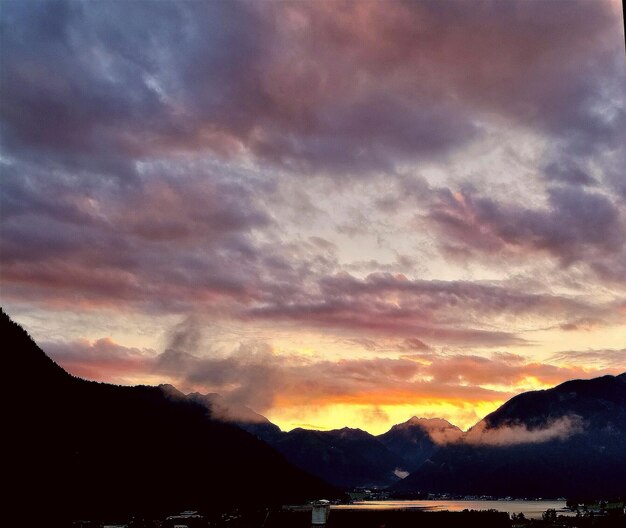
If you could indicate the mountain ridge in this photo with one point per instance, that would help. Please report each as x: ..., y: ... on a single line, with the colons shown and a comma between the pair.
x: 418, y: 438
x: 512, y: 451
x: 569, y: 440
x: 421, y: 445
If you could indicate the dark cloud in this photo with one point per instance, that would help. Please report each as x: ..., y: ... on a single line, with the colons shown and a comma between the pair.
x: 413, y: 343
x: 612, y: 358
x: 439, y: 311
x: 170, y: 247
x: 159, y: 242
x: 575, y: 225
x: 569, y: 173
x: 349, y: 86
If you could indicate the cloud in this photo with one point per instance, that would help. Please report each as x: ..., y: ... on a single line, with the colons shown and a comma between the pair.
x: 500, y: 370
x: 102, y: 359
x: 226, y: 409
x: 570, y: 173
x: 611, y: 358
x: 412, y: 343
x: 185, y: 336
x: 158, y: 243
x: 440, y: 431
x: 255, y: 375
x: 109, y: 113
x: 187, y: 237
x: 249, y: 375
x: 236, y: 162
x: 514, y: 434
x: 349, y: 86
x: 586, y: 324
x: 576, y: 224
x: 437, y: 311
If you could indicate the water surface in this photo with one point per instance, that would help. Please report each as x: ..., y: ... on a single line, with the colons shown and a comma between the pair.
x: 530, y: 509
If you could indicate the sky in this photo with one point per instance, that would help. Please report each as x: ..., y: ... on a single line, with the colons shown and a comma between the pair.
x: 334, y: 213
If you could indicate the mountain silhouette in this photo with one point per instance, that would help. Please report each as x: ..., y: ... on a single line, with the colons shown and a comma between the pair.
x: 416, y: 439
x: 81, y: 449
x: 344, y: 457
x: 566, y: 441
x: 348, y: 458
x: 84, y: 449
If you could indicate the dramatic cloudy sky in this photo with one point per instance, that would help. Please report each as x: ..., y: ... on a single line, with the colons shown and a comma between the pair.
x: 336, y: 213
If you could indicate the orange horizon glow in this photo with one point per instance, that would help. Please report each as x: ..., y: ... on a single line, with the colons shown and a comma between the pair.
x: 375, y: 410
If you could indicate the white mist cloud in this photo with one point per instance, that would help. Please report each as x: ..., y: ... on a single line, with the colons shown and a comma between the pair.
x: 560, y: 428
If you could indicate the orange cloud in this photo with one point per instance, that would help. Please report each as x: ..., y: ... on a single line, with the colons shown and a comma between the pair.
x: 255, y: 376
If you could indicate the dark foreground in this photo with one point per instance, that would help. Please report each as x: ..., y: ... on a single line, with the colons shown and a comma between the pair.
x: 394, y: 519
x: 423, y: 519
x: 368, y: 519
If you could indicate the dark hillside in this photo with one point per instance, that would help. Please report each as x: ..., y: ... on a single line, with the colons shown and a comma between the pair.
x: 83, y: 449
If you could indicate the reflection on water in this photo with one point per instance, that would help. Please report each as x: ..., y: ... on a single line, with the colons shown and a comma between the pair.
x: 530, y: 509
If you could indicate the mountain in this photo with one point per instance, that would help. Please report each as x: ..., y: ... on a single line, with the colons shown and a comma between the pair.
x: 417, y: 439
x: 81, y: 449
x: 344, y: 457
x: 601, y: 402
x: 566, y: 441
x: 347, y: 458
x: 569, y: 440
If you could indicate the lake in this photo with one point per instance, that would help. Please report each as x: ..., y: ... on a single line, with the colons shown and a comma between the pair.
x: 530, y: 509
